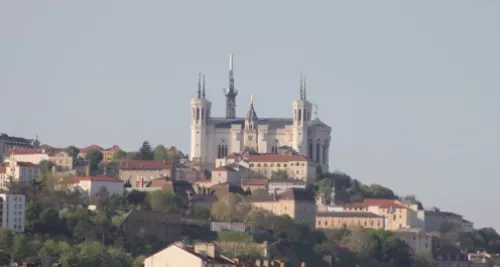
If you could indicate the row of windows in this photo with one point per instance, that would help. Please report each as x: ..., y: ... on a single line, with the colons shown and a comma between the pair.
x: 359, y: 223
x: 277, y: 164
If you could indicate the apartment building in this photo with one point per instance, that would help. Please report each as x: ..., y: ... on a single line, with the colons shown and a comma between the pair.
x: 90, y: 186
x: 61, y: 160
x: 297, y: 203
x: 13, y: 211
x: 26, y: 155
x: 9, y: 142
x: 291, y: 166
x: 337, y: 220
x: 199, y: 255
x: 416, y: 239
x: 397, y: 215
x: 107, y: 153
x: 20, y: 172
x: 280, y: 186
x: 134, y: 171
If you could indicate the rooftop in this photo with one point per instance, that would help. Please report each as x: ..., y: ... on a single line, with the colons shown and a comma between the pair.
x: 348, y: 214
x: 270, y: 157
x: 96, y: 179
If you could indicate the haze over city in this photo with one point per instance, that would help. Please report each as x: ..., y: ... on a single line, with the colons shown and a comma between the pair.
x: 410, y: 89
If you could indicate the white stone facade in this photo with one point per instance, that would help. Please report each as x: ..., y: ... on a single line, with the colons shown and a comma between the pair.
x: 13, y: 211
x: 217, y: 137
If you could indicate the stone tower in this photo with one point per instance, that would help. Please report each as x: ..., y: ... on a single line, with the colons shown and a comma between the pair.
x: 200, y: 114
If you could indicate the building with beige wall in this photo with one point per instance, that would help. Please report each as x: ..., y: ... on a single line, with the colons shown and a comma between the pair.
x: 199, y: 255
x: 225, y: 174
x: 107, y: 153
x: 397, y: 215
x: 255, y: 184
x: 61, y: 160
x: 295, y: 167
x: 299, y: 204
x: 26, y: 155
x: 416, y: 240
x: 280, y: 186
x: 337, y: 220
x: 21, y: 172
x: 134, y: 171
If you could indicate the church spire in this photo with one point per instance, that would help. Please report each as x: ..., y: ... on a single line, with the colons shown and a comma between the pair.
x: 304, y: 88
x: 203, y: 93
x: 231, y: 92
x: 198, y: 93
x: 301, y: 89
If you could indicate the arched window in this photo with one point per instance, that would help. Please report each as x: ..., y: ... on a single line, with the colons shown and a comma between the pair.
x: 221, y: 151
x: 202, y: 113
x: 300, y: 114
x: 197, y: 113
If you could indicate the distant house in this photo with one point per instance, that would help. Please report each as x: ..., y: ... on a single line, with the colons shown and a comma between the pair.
x: 200, y: 255
x: 18, y: 171
x: 26, y: 155
x: 135, y: 171
x: 90, y: 186
x: 107, y: 153
x: 9, y: 142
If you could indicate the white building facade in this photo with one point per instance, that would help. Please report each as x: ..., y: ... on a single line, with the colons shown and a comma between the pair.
x: 218, y: 137
x: 20, y: 172
x: 90, y: 186
x: 13, y: 211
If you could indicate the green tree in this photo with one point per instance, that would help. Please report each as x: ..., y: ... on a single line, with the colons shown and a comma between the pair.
x: 145, y: 151
x: 424, y: 258
x: 279, y: 175
x: 94, y: 157
x: 164, y: 201
x: 6, y: 240
x: 73, y: 151
x: 160, y: 153
x: 120, y: 154
x: 21, y: 248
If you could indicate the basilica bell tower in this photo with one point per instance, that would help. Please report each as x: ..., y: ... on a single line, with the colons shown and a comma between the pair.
x: 231, y: 92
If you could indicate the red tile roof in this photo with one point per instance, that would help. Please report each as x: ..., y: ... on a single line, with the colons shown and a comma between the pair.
x: 381, y: 203
x: 24, y: 151
x: 255, y: 181
x: 271, y: 158
x: 26, y: 164
x: 224, y: 169
x: 97, y: 179
x: 3, y: 170
x: 113, y: 148
x: 146, y: 164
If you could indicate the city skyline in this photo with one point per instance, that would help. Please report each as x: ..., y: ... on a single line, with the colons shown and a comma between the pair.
x: 410, y: 90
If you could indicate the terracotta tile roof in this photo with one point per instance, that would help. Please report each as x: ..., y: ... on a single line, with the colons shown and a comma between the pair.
x: 3, y: 170
x: 255, y: 181
x: 297, y: 194
x: 348, y: 214
x: 26, y: 164
x: 270, y: 157
x: 24, y: 151
x: 224, y: 169
x: 146, y: 164
x: 381, y: 203
x: 97, y: 179
x: 113, y: 148
x: 91, y: 147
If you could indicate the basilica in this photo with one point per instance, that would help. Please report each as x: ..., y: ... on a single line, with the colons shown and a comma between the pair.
x: 214, y: 138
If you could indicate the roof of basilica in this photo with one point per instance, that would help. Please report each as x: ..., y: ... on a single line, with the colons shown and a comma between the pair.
x: 271, y: 122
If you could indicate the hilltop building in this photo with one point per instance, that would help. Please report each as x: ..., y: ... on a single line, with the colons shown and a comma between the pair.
x: 217, y: 137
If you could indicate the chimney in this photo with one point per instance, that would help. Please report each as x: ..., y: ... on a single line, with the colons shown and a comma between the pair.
x: 87, y: 171
x: 302, y: 264
x: 207, y: 249
x: 141, y: 182
x: 275, y: 197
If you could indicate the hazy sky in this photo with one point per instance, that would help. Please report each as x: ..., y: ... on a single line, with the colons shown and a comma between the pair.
x: 410, y: 88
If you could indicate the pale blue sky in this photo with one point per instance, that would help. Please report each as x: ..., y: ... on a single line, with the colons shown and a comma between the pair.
x: 410, y: 88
